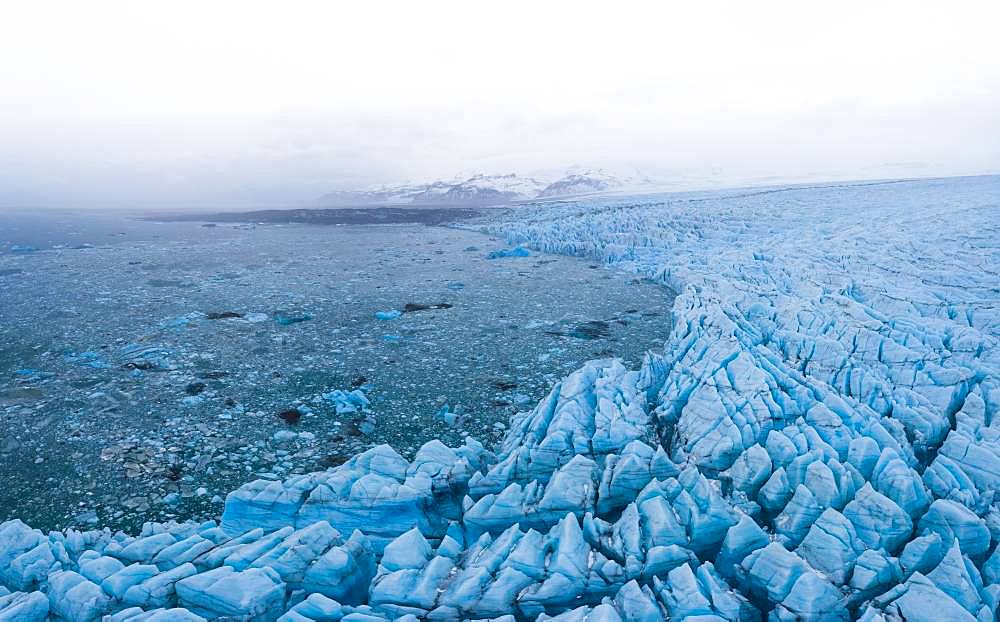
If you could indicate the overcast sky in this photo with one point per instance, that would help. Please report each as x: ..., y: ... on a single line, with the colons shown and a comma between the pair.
x: 272, y: 103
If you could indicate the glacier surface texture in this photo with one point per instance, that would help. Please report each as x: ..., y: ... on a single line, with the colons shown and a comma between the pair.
x: 820, y: 440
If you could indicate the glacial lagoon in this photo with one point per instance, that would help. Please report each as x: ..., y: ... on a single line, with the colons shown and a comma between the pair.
x: 149, y: 368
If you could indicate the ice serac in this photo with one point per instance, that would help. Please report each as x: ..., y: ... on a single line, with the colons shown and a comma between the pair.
x: 838, y: 380
x: 595, y: 411
x: 257, y: 593
x: 23, y: 606
x: 818, y: 440
x: 377, y: 491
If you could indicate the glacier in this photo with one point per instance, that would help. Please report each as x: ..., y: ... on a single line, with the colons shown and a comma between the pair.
x: 818, y: 440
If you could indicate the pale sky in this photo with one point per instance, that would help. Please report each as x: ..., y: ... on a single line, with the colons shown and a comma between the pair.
x: 179, y: 104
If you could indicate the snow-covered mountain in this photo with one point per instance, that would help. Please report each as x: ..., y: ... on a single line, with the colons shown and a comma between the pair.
x: 485, y: 189
x: 482, y: 189
x: 581, y: 182
x: 383, y: 195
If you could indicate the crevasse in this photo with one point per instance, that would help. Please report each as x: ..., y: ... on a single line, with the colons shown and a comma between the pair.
x: 818, y: 441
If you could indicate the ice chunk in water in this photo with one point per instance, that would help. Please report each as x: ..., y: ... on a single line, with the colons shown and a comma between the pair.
x: 347, y: 401
x: 517, y: 251
x: 287, y: 318
x: 388, y: 315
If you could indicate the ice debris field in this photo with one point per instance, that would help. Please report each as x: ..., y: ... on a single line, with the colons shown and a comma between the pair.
x: 819, y: 441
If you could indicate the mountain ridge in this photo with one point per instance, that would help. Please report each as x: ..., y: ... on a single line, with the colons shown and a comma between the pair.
x: 485, y: 189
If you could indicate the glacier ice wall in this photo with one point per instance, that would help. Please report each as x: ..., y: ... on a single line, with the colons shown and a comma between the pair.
x: 818, y: 441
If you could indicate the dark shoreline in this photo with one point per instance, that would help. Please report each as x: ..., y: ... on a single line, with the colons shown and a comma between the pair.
x: 334, y: 216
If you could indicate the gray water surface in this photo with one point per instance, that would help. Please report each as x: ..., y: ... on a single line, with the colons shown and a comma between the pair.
x: 123, y: 400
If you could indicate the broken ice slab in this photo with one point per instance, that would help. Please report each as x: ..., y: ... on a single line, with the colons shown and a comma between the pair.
x: 29, y: 373
x: 144, y: 357
x: 377, y: 491
x: 88, y: 359
x: 347, y: 401
x: 388, y: 315
x: 287, y: 318
x: 517, y: 251
x: 446, y: 415
x: 182, y: 321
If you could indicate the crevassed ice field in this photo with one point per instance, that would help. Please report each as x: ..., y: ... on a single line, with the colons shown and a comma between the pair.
x: 818, y: 441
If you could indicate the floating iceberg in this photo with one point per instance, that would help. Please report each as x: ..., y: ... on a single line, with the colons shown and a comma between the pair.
x: 347, y: 401
x: 287, y: 318
x: 388, y: 315
x: 88, y: 359
x: 503, y: 253
x: 818, y: 441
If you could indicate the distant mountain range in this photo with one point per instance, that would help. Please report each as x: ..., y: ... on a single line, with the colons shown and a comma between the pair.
x: 486, y: 190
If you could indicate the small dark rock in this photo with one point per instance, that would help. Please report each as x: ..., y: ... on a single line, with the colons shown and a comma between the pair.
x: 141, y: 365
x: 594, y: 329
x: 413, y: 307
x: 291, y: 416
x: 195, y: 388
x: 224, y: 315
x: 332, y: 460
x: 212, y: 375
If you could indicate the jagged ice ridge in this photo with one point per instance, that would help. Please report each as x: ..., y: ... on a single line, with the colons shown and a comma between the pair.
x: 818, y: 441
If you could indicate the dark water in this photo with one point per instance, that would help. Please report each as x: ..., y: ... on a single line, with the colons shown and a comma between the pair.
x: 23, y: 231
x: 147, y: 375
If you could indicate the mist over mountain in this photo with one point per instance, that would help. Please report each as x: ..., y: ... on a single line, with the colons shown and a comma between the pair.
x: 484, y: 189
